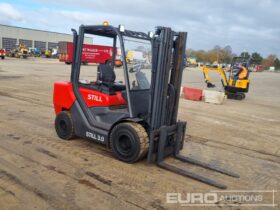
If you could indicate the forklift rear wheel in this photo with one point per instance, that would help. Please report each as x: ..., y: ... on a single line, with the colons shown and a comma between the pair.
x: 129, y: 141
x: 64, y: 125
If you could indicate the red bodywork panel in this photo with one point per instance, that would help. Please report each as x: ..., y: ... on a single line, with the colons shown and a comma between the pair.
x: 90, y: 54
x: 63, y: 97
x: 2, y: 52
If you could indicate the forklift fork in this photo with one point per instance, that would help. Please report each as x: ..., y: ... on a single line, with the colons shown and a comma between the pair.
x: 178, y: 130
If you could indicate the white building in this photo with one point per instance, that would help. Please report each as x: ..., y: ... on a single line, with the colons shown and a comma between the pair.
x: 10, y: 36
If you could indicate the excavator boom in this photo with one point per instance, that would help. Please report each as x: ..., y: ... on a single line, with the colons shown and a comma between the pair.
x: 220, y: 71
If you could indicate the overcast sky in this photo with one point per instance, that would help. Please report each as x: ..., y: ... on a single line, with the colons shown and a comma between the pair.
x: 251, y: 25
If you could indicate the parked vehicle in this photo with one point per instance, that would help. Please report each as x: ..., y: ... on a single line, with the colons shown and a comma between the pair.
x: 91, y: 54
x: 237, y: 83
x: 20, y: 51
x: 34, y: 52
x: 258, y: 68
x: 134, y: 55
x: 191, y: 62
x: 54, y: 53
x: 48, y: 53
x: 51, y: 53
x: 2, y: 53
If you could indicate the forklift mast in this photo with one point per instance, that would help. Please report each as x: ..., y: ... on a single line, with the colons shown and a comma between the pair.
x: 168, y: 63
x: 167, y: 134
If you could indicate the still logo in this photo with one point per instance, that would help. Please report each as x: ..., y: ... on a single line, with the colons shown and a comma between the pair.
x: 93, y: 97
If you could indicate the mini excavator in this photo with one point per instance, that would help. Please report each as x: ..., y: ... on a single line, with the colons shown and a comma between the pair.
x: 234, y: 86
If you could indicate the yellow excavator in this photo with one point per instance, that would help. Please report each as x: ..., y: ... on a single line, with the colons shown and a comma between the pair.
x: 237, y: 83
x: 48, y: 53
x: 20, y: 51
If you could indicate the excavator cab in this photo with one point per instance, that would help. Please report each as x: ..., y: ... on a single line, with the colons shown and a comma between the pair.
x: 241, y: 84
x: 137, y: 117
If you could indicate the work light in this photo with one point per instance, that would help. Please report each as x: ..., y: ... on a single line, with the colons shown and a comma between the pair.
x: 121, y: 27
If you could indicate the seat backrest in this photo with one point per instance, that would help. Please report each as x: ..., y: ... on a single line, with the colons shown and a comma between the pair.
x: 105, y: 74
x: 247, y: 73
x: 244, y: 73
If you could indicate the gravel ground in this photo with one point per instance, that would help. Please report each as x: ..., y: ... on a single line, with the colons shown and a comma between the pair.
x: 40, y: 171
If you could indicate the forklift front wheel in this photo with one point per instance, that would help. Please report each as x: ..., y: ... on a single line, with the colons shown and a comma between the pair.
x: 129, y: 141
x: 64, y: 125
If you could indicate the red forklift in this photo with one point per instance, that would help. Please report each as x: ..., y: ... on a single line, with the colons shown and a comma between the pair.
x: 136, y: 118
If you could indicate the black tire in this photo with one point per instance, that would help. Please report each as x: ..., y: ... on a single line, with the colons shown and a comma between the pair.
x: 129, y: 142
x: 3, y: 57
x: 64, y: 125
x: 68, y: 63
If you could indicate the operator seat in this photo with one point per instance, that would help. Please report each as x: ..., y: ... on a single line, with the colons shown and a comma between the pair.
x: 247, y: 67
x: 106, y: 77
